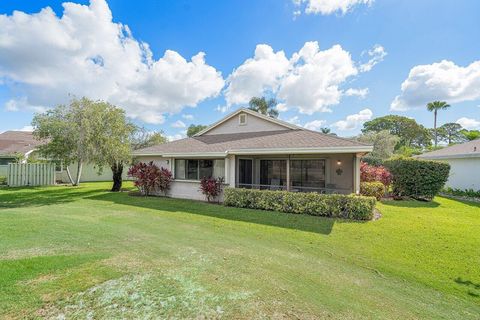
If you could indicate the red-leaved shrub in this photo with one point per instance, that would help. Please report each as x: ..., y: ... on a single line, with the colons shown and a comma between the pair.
x: 370, y: 173
x: 211, y: 187
x: 149, y: 178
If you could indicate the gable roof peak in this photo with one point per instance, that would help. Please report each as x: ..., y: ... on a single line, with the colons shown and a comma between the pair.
x: 253, y: 113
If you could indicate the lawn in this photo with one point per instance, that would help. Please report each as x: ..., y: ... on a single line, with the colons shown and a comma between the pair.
x: 86, y: 253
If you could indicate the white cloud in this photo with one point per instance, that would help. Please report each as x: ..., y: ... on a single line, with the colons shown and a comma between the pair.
x: 326, y: 7
x: 187, y: 116
x: 256, y: 75
x: 439, y: 81
x: 83, y: 52
x: 314, y: 125
x: 354, y: 121
x: 222, y: 109
x: 376, y: 54
x: 310, y: 80
x: 361, y: 93
x: 469, y: 123
x: 176, y: 136
x: 26, y: 128
x: 178, y: 124
x: 294, y: 120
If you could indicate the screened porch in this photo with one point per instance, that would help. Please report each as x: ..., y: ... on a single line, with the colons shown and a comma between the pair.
x: 328, y: 174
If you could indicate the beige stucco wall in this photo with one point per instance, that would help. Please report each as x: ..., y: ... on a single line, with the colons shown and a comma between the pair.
x: 89, y: 174
x: 254, y: 124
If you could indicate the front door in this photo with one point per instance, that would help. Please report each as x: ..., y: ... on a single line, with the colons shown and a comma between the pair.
x: 245, y: 173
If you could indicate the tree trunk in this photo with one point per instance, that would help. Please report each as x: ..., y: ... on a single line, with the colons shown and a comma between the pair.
x: 117, y: 170
x: 435, y: 126
x: 79, y: 173
x: 69, y: 176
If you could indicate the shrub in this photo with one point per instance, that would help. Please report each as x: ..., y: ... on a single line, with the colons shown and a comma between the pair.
x: 369, y: 173
x: 211, y: 187
x: 373, y: 161
x: 372, y: 189
x: 3, y: 180
x: 328, y: 205
x: 419, y: 179
x: 149, y: 178
x: 462, y: 193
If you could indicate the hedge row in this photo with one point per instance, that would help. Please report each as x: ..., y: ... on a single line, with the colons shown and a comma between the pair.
x: 315, y: 204
x: 372, y: 189
x: 419, y: 179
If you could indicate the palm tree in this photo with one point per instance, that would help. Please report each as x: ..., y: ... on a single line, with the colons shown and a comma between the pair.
x: 435, y: 106
x: 264, y: 106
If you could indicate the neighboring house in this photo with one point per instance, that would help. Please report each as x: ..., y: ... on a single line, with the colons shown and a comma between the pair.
x: 22, y: 144
x: 15, y: 146
x: 250, y: 150
x: 464, y: 160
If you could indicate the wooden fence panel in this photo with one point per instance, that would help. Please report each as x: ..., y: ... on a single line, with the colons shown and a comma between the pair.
x: 30, y: 174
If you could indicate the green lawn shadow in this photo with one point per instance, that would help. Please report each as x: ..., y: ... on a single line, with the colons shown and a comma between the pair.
x: 321, y: 225
x: 37, y: 196
x: 410, y: 203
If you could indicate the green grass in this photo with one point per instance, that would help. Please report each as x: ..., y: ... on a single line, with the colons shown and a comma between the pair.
x: 84, y: 252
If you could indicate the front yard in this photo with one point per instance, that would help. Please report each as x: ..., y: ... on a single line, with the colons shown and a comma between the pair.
x: 84, y: 252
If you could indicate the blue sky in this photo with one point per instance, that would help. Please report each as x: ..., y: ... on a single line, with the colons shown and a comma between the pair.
x: 411, y: 37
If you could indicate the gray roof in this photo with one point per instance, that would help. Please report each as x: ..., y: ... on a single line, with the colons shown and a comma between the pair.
x: 12, y: 142
x: 465, y: 150
x: 265, y: 140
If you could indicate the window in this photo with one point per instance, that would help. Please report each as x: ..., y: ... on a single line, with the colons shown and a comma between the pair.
x: 308, y: 174
x: 242, y: 119
x: 193, y: 169
x: 273, y: 172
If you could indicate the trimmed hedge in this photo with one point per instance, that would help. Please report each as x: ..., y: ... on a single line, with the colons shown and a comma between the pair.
x: 372, y: 189
x: 419, y: 179
x: 315, y: 204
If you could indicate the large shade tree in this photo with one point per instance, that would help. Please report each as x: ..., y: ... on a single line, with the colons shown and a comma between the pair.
x: 194, y: 129
x: 470, y: 135
x: 264, y: 106
x: 451, y: 133
x: 143, y: 138
x: 383, y: 143
x: 86, y: 131
x: 434, y: 107
x: 410, y: 133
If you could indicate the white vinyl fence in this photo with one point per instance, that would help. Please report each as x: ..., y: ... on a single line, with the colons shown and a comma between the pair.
x: 3, y: 170
x: 30, y: 174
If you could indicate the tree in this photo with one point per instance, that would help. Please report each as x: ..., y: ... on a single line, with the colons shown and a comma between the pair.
x: 325, y: 130
x: 383, y: 143
x: 470, y: 135
x: 264, y: 106
x: 86, y: 131
x: 411, y: 133
x: 435, y: 106
x: 194, y: 129
x: 142, y: 138
x: 451, y: 133
x: 111, y: 139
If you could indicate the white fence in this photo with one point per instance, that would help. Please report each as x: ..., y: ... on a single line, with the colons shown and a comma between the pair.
x: 30, y: 174
x: 3, y: 170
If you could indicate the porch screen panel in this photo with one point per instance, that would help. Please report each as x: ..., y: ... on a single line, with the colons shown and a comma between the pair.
x: 219, y: 168
x: 273, y: 173
x: 179, y: 169
x: 192, y: 169
x: 309, y: 174
x: 245, y: 170
x: 205, y: 169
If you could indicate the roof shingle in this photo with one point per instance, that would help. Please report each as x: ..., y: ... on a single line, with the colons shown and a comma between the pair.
x: 282, y: 139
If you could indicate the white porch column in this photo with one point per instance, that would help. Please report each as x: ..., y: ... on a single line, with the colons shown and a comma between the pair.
x: 288, y: 173
x: 232, y: 172
x: 356, y: 174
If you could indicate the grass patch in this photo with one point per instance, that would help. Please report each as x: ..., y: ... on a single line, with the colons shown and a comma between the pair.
x: 82, y: 252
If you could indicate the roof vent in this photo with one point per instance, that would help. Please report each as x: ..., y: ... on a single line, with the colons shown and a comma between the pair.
x: 242, y: 119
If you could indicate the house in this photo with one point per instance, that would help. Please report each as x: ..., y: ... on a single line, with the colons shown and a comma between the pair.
x: 464, y: 160
x: 16, y: 145
x: 250, y: 150
x: 22, y: 145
